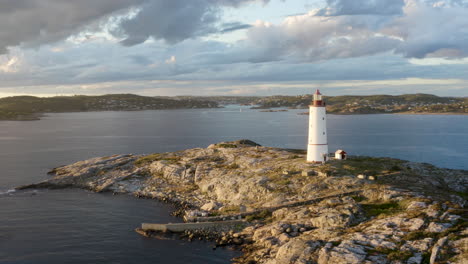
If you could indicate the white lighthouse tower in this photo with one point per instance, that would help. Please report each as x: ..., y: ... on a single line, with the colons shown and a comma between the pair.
x: 317, y: 149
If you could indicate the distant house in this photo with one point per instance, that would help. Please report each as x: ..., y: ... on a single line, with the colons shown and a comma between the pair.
x: 341, y: 154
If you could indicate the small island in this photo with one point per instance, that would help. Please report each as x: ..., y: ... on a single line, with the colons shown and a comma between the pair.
x: 277, y: 208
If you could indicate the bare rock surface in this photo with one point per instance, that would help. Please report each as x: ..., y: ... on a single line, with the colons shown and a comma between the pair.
x: 410, y: 213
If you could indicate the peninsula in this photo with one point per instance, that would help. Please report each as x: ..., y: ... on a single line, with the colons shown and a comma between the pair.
x: 359, y: 210
x: 30, y: 107
x: 374, y: 104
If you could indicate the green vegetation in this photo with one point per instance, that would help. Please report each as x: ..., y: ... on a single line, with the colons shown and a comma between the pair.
x: 381, y: 209
x: 147, y: 159
x: 229, y: 209
x: 232, y: 166
x: 297, y: 151
x: 155, y: 157
x: 418, y: 235
x: 187, y: 188
x: 401, y: 255
x: 22, y: 107
x: 373, y: 104
x: 224, y: 100
x: 364, y: 165
x: 226, y: 145
x: 12, y: 108
x: 392, y: 254
x: 262, y: 216
x: 359, y: 198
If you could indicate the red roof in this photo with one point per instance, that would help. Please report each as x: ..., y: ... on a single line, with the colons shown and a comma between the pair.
x: 318, y: 92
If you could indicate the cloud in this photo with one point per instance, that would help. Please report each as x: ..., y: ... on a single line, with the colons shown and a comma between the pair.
x: 171, y: 60
x: 307, y: 48
x: 349, y: 29
x: 176, y: 20
x: 312, y: 37
x: 429, y: 31
x: 363, y: 7
x: 234, y: 26
x: 9, y: 64
x: 35, y: 22
x: 140, y: 59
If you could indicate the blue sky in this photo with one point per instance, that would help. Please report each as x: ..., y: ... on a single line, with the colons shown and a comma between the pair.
x: 233, y: 47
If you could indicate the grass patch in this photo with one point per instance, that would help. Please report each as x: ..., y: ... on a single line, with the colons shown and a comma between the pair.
x: 147, y: 160
x: 263, y: 215
x: 459, y: 226
x: 393, y: 254
x: 418, y: 235
x: 229, y: 209
x: 335, y: 243
x: 189, y: 188
x: 297, y: 151
x: 401, y: 255
x: 171, y: 160
x: 382, y: 209
x: 453, y: 233
x: 327, y: 169
x: 283, y: 181
x: 232, y: 166
x: 225, y: 145
x: 366, y: 165
x: 358, y: 198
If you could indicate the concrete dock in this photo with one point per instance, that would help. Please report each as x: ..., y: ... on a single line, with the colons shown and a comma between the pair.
x: 182, y: 227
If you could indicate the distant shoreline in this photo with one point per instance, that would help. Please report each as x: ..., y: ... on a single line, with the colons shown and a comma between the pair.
x: 402, y: 113
x: 38, y: 116
x: 448, y: 113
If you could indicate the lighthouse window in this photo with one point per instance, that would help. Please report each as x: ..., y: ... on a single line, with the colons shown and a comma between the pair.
x: 323, y: 118
x: 324, y: 133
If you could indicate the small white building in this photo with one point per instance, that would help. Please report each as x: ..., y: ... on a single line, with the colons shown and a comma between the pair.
x: 341, y: 154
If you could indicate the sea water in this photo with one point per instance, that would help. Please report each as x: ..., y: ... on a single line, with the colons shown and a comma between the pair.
x: 77, y: 226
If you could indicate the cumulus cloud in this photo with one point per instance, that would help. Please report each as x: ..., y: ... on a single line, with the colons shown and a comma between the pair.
x: 429, y: 31
x: 415, y: 29
x: 35, y: 22
x: 176, y: 20
x: 313, y: 37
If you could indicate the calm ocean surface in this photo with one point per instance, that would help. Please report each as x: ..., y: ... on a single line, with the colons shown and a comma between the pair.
x: 75, y: 226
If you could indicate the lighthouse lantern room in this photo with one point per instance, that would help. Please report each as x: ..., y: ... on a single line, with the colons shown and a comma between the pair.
x: 317, y: 149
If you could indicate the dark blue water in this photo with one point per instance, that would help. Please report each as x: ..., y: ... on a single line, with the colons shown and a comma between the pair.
x: 74, y: 226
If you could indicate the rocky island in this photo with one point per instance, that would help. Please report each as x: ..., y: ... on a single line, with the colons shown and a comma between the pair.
x: 360, y: 210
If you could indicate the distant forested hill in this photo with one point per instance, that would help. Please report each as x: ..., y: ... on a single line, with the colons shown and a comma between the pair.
x: 372, y: 104
x: 24, y: 107
x: 28, y: 107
